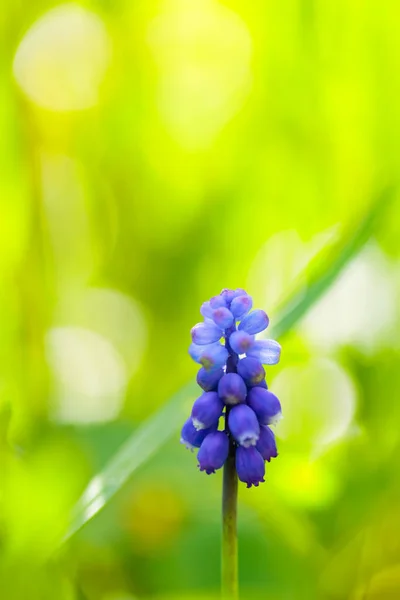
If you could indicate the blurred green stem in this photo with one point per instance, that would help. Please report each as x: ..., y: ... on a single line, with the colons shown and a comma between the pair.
x: 229, y: 530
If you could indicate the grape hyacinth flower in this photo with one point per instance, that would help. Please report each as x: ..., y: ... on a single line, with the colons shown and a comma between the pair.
x: 232, y: 377
x: 230, y: 420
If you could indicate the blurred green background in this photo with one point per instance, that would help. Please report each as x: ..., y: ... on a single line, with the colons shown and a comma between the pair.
x: 151, y: 154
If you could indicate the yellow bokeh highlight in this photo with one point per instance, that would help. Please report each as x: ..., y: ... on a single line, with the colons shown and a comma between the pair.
x: 62, y: 59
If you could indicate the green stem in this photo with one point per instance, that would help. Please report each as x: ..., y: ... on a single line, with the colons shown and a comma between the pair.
x: 229, y: 531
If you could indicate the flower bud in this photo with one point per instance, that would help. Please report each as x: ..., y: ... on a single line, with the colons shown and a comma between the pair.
x: 193, y: 438
x: 254, y: 322
x: 211, y: 356
x: 208, y: 380
x: 265, y: 404
x: 213, y: 452
x: 207, y: 410
x: 241, y: 342
x: 243, y: 425
x: 232, y: 389
x: 266, y: 444
x: 251, y: 370
x: 217, y: 302
x: 214, y: 357
x: 241, y: 305
x: 250, y: 466
x: 205, y: 333
x: 239, y: 292
x: 206, y: 310
x: 268, y: 352
x: 228, y: 295
x: 196, y: 351
x: 222, y: 317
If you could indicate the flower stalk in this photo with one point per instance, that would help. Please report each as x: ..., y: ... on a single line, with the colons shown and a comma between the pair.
x: 229, y: 557
x: 232, y: 378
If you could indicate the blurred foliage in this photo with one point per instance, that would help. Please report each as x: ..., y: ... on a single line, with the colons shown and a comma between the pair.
x: 153, y: 153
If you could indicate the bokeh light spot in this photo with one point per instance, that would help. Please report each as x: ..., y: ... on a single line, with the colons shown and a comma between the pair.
x: 303, y: 482
x: 153, y: 529
x: 361, y: 308
x: 318, y: 401
x: 292, y: 254
x: 62, y: 58
x: 113, y: 315
x: 89, y: 376
x: 203, y: 50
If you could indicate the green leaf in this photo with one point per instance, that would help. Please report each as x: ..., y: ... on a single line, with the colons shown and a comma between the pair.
x: 153, y: 433
x: 141, y: 445
x: 324, y: 269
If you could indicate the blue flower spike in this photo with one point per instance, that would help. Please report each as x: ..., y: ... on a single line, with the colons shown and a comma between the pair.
x: 232, y: 378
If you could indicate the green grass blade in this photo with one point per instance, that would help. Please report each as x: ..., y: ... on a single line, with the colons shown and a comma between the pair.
x: 140, y: 446
x: 328, y: 264
x: 153, y: 433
